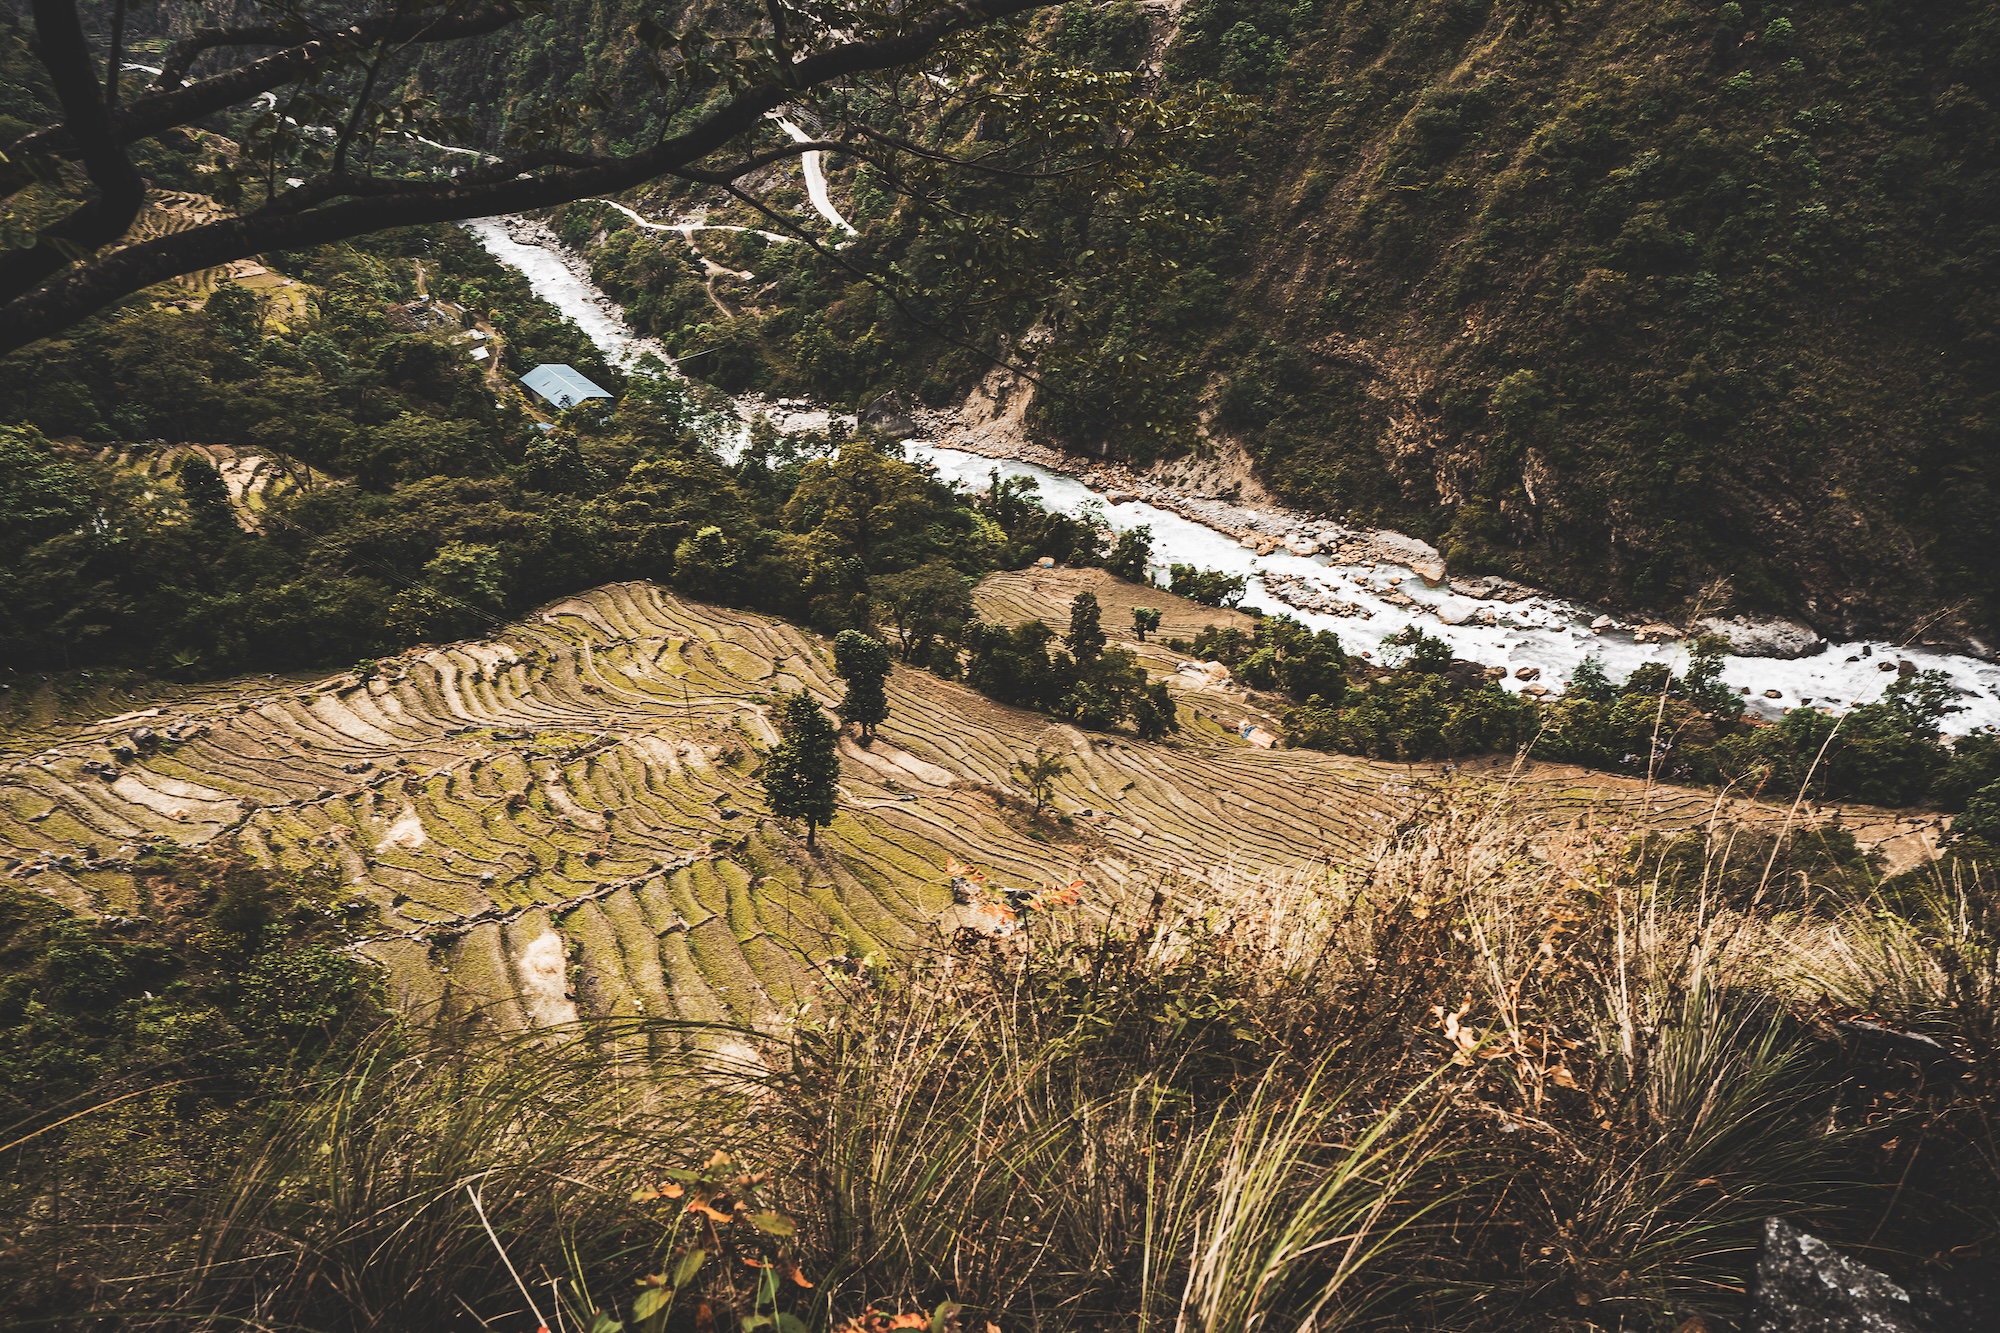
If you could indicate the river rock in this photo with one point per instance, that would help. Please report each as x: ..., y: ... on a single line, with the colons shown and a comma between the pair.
x: 1307, y: 596
x: 889, y: 415
x: 1420, y: 557
x: 1765, y: 636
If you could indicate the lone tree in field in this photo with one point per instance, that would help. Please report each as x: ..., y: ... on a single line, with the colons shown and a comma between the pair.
x: 863, y: 662
x: 1086, y: 628
x: 803, y: 769
x: 1040, y: 774
x: 325, y: 115
x: 1145, y: 619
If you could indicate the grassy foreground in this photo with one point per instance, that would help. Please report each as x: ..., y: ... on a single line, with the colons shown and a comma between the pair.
x: 1501, y: 1072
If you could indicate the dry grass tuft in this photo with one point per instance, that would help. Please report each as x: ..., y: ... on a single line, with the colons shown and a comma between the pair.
x: 1505, y: 1071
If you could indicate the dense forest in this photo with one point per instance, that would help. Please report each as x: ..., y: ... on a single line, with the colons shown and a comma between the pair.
x: 1627, y: 304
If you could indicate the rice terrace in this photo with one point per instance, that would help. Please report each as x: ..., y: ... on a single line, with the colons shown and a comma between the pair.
x: 564, y: 819
x: 999, y: 666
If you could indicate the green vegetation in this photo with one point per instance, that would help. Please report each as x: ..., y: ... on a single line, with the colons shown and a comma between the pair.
x: 1210, y: 587
x: 802, y: 771
x: 1418, y: 703
x: 1083, y: 682
x: 165, y: 1032
x: 864, y: 663
x: 1605, y: 303
x: 1039, y: 773
x: 438, y: 533
x: 1242, y: 1100
x: 423, y: 509
x: 1597, y: 305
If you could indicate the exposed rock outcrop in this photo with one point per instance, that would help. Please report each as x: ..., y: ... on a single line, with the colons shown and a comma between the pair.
x: 1760, y: 636
x: 1804, y: 1285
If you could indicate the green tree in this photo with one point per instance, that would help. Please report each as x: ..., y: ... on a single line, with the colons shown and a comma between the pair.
x: 1132, y: 554
x: 1413, y: 650
x: 863, y: 662
x: 802, y: 771
x: 39, y: 495
x: 1210, y: 587
x: 1086, y: 628
x: 1039, y: 775
x: 1153, y: 714
x: 1981, y: 819
x: 925, y: 605
x: 1145, y: 619
x: 207, y: 498
x: 463, y: 592
x: 555, y: 463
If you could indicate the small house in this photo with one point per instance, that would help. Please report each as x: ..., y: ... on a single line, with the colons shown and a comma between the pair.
x: 561, y: 387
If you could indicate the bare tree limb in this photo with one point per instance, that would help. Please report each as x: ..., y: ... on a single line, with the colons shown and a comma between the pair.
x: 181, y: 56
x: 68, y: 297
x: 163, y: 110
x: 65, y: 53
x: 797, y: 148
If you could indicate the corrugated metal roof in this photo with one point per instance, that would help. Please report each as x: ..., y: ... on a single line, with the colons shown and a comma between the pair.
x: 561, y: 385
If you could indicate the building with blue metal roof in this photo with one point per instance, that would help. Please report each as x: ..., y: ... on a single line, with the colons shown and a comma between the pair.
x: 562, y: 387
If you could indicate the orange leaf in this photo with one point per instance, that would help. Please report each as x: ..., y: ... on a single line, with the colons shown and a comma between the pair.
x: 701, y: 1206
x: 672, y: 1190
x: 792, y: 1270
x: 917, y: 1320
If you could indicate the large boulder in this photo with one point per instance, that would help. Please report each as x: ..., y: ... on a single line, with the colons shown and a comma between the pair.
x: 1764, y: 636
x: 889, y: 415
x: 1804, y: 1285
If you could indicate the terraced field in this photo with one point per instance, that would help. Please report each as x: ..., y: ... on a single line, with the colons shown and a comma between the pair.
x: 566, y: 819
x: 254, y: 479
x: 287, y: 301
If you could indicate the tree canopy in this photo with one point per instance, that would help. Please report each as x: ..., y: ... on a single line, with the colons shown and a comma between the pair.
x: 802, y: 772
x: 863, y: 662
x: 311, y: 101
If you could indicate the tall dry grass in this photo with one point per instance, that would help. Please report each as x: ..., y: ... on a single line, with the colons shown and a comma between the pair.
x: 1504, y: 1072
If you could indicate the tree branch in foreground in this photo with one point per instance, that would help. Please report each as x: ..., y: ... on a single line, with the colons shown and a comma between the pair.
x: 356, y: 206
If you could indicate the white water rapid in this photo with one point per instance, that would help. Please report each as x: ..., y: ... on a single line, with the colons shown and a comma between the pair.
x: 1540, y: 634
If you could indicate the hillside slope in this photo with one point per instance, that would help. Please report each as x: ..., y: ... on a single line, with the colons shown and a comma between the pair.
x: 1676, y: 292
x: 1663, y: 295
x: 566, y: 819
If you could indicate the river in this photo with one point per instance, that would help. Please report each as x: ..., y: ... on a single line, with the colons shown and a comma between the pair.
x: 1542, y: 635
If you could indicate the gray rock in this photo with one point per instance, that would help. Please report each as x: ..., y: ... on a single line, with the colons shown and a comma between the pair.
x: 1765, y: 636
x: 1804, y: 1285
x: 889, y: 415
